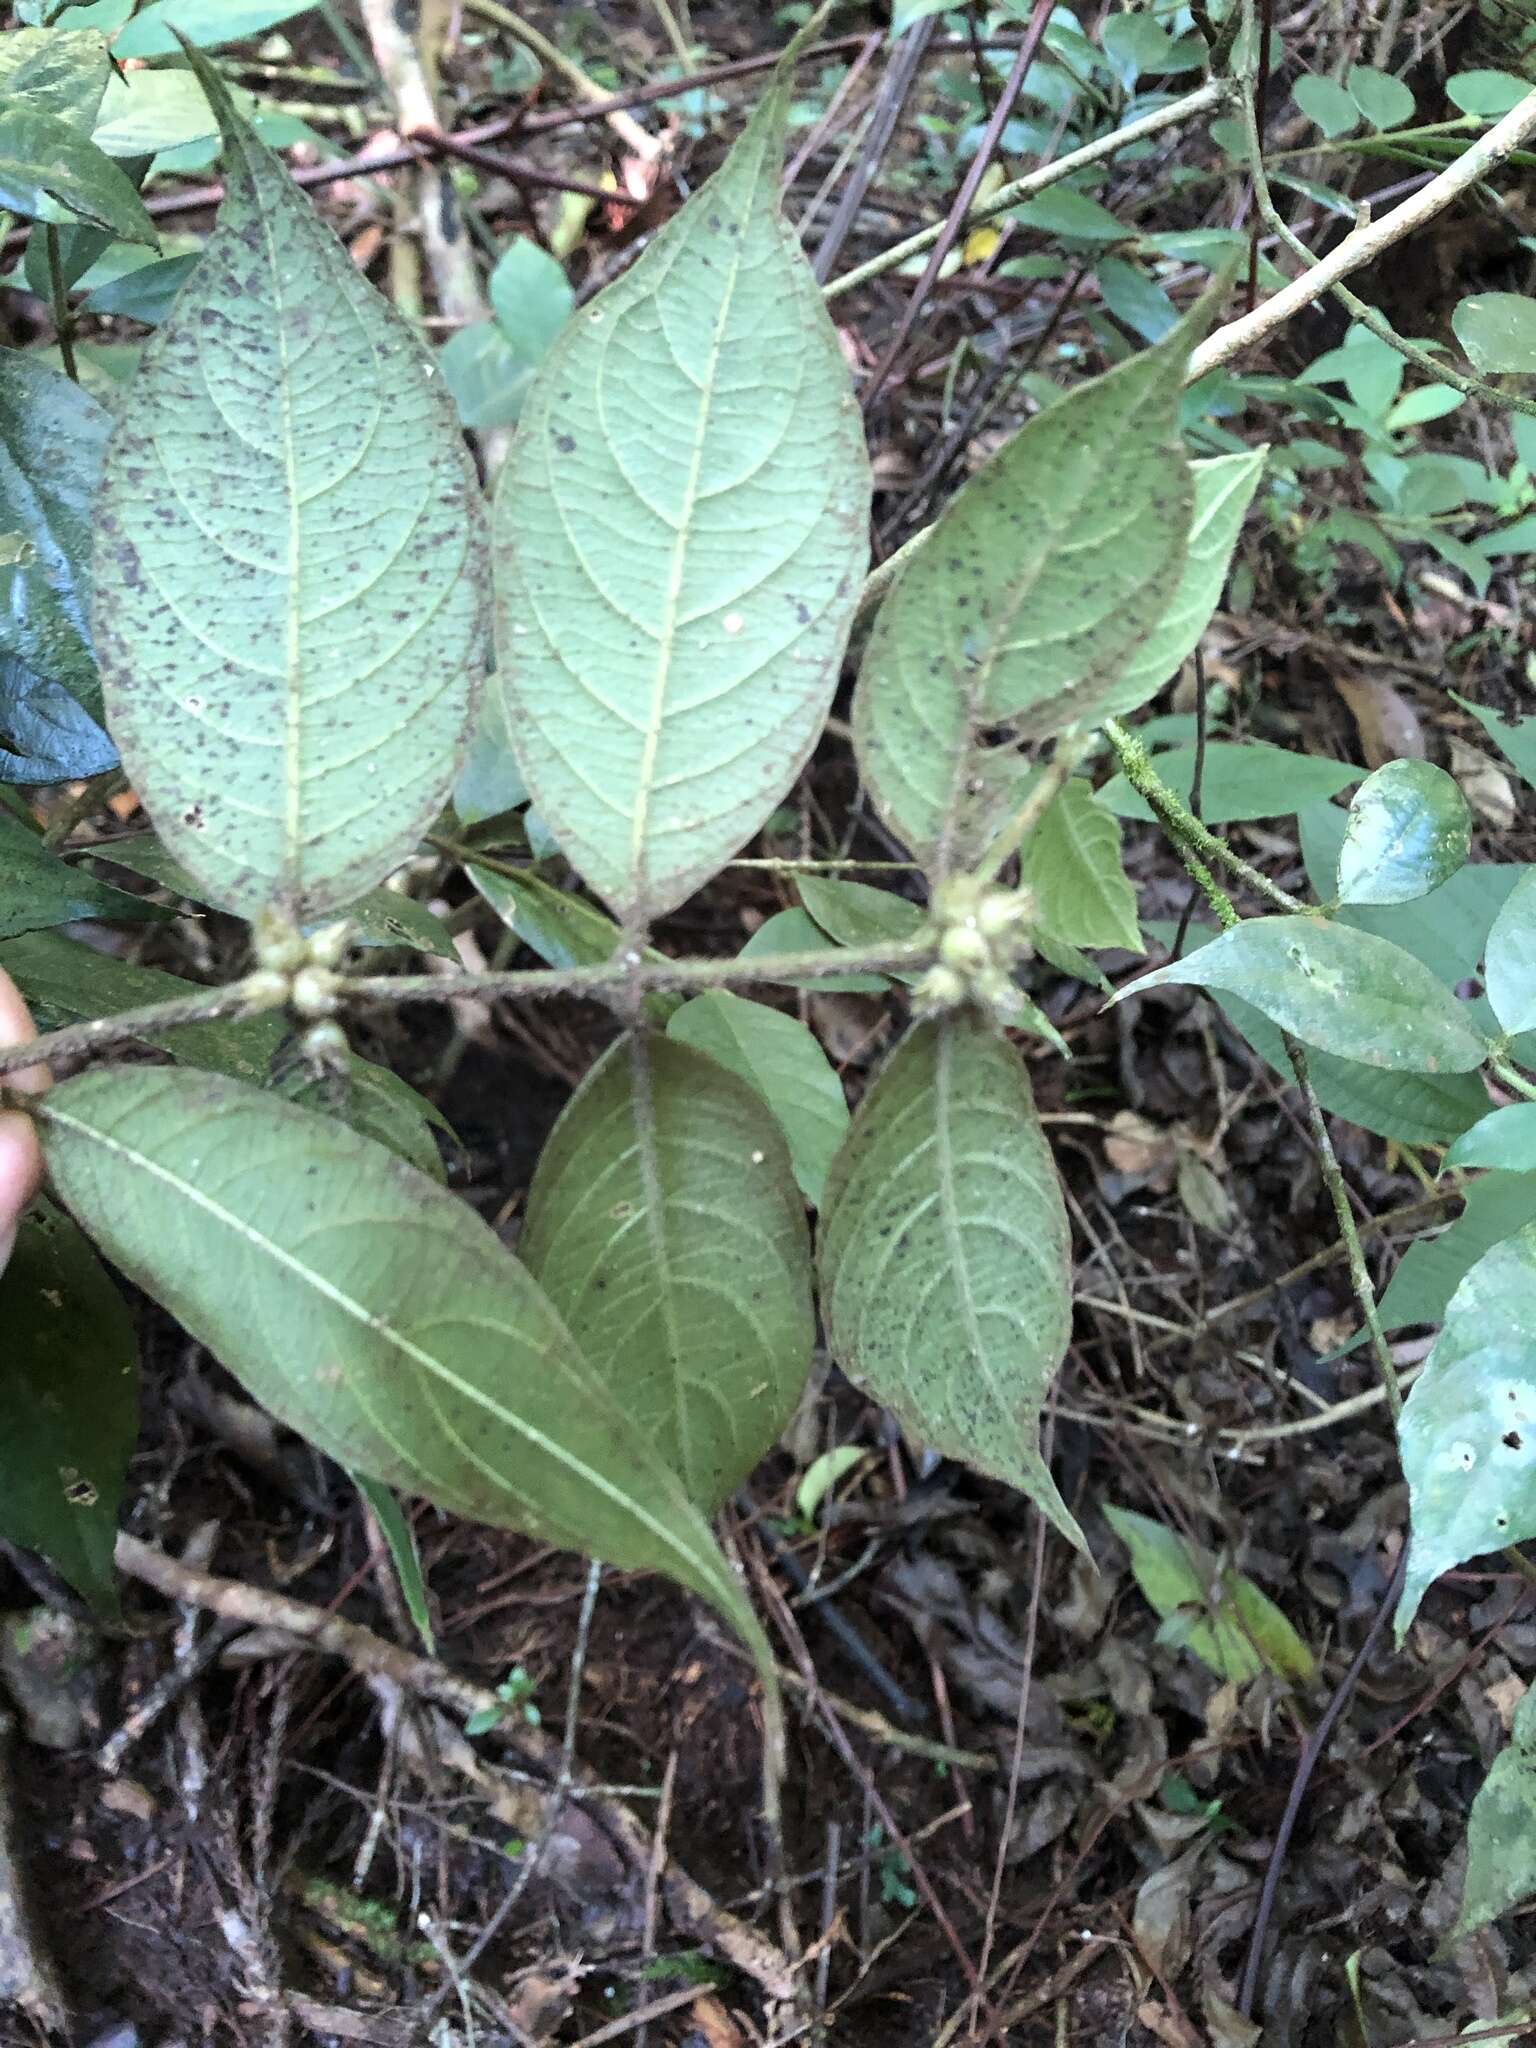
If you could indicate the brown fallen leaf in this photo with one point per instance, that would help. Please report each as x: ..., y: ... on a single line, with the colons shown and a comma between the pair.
x: 1388, y: 724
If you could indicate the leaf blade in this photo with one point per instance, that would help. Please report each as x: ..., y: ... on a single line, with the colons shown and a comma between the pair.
x: 292, y: 715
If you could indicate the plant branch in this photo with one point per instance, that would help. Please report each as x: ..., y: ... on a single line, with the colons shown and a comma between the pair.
x: 63, y: 319
x: 1186, y: 829
x: 630, y: 974
x: 1206, y: 100
x: 623, y: 124
x: 1369, y: 241
x: 1513, y: 1080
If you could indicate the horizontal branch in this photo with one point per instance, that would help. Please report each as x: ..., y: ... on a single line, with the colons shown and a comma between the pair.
x: 630, y: 974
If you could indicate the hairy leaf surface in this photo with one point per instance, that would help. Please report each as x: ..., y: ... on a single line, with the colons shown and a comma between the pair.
x: 944, y: 1254
x: 680, y: 541
x: 665, y: 1226
x: 289, y: 606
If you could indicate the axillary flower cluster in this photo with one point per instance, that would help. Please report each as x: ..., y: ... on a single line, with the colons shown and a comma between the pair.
x: 983, y: 935
x: 297, y: 972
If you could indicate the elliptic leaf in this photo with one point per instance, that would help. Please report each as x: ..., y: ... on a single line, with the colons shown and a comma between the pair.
x: 1501, y: 1830
x: 1219, y: 1616
x: 69, y: 1402
x: 564, y: 930
x: 944, y: 1254
x: 1504, y: 1138
x: 52, y: 434
x: 1247, y: 780
x: 854, y: 914
x: 1384, y: 100
x: 369, y: 1310
x: 1408, y: 830
x: 400, y: 1538
x: 50, y: 172
x: 46, y: 735
x: 375, y: 1102
x: 780, y: 1060
x: 1510, y: 958
x: 289, y: 606
x: 1037, y: 585
x: 207, y: 23
x: 1468, y: 1431
x: 38, y: 890
x: 680, y: 541
x: 1498, y: 332
x: 794, y: 931
x: 1344, y: 991
x: 1224, y: 489
x: 665, y: 1227
x: 1488, y: 94
x: 1072, y: 862
x: 1325, y: 101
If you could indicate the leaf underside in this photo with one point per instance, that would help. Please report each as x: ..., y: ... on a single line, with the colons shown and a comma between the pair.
x: 944, y: 1254
x: 681, y: 535
x: 289, y: 606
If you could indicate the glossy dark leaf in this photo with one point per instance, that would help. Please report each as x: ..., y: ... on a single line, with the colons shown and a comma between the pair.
x: 50, y: 172
x: 38, y: 890
x: 46, y: 735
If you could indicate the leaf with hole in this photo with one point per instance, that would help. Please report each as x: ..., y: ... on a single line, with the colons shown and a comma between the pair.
x: 944, y: 1254
x: 1408, y: 830
x: 50, y: 172
x: 780, y: 1060
x: 290, y: 619
x: 680, y: 539
x: 665, y: 1227
x: 369, y: 1310
x: 69, y: 1403
x: 1498, y: 332
x: 1072, y: 863
x: 1018, y: 615
x: 1217, y: 1614
x: 1343, y: 991
x: 1467, y: 1436
x: 52, y: 436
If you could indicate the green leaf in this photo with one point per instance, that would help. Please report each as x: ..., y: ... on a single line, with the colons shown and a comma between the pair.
x: 69, y: 1403
x: 145, y: 112
x: 1515, y: 738
x: 1503, y: 1138
x: 287, y: 571
x: 487, y: 381
x: 855, y: 914
x: 52, y: 435
x: 1344, y: 991
x: 1224, y: 489
x: 62, y: 72
x: 1242, y: 1633
x: 1384, y: 100
x: 38, y: 890
x: 1468, y: 1431
x: 45, y: 734
x: 400, y: 1539
x: 490, y: 781
x: 370, y: 1311
x: 65, y: 982
x: 1498, y: 332
x: 822, y: 1474
x: 145, y: 293
x: 680, y: 543
x: 1408, y: 830
x: 1071, y: 216
x: 376, y: 1103
x: 1072, y: 862
x: 207, y: 23
x: 1324, y: 101
x: 1247, y: 780
x: 780, y: 1060
x: 995, y: 624
x: 52, y: 173
x: 1501, y: 1832
x: 384, y: 917
x: 793, y: 931
x: 562, y: 929
x: 665, y: 1226
x: 1488, y: 94
x: 1432, y: 1268
x: 945, y: 1254
x: 1510, y: 958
